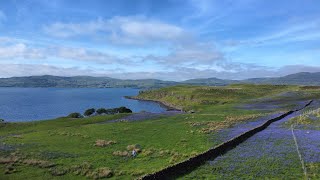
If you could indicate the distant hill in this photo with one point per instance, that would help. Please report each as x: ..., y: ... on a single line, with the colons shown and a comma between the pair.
x: 303, y: 78
x: 210, y: 81
x: 81, y: 82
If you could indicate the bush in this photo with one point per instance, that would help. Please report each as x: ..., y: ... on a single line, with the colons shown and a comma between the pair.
x: 118, y: 110
x: 123, y: 109
x: 101, y: 111
x: 89, y: 112
x: 75, y: 115
x: 111, y: 111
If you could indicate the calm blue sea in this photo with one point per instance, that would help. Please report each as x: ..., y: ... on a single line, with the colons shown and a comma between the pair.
x: 27, y: 104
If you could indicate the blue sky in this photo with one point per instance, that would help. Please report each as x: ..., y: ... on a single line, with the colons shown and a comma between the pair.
x: 170, y: 40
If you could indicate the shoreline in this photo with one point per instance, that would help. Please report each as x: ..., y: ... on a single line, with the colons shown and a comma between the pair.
x: 169, y: 107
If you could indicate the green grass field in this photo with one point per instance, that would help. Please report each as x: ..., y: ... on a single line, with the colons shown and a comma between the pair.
x: 67, y: 148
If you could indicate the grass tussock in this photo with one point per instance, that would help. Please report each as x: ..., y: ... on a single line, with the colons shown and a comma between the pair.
x: 101, y: 173
x: 58, y: 171
x: 103, y: 143
x: 68, y: 134
x: 86, y: 169
x: 121, y: 153
x: 9, y: 160
x: 135, y: 147
x: 14, y: 160
x: 82, y: 169
x: 10, y: 169
x: 38, y: 163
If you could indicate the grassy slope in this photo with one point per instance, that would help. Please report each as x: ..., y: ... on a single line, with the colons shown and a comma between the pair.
x: 167, y: 140
x: 203, y: 98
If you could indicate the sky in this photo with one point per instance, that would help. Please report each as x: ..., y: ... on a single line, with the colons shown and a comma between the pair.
x: 167, y: 39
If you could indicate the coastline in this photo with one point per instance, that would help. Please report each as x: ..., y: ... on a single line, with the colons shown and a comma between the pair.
x: 169, y: 107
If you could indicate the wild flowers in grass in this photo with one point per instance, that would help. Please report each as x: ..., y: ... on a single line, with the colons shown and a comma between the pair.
x: 268, y: 154
x: 309, y: 144
x: 307, y: 133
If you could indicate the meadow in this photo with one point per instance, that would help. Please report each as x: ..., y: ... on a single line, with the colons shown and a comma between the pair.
x: 67, y: 148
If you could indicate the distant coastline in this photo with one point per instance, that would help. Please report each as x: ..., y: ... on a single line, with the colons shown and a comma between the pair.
x: 48, y: 81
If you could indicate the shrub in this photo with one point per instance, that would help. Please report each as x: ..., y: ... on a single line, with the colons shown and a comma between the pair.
x: 89, y: 112
x: 101, y: 111
x: 75, y: 115
x: 123, y: 109
x: 111, y: 111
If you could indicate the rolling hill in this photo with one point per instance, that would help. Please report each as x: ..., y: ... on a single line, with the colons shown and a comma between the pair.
x: 303, y: 78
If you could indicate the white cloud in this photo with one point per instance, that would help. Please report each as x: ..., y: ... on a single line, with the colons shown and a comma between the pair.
x: 82, y: 54
x: 64, y: 30
x: 196, y: 54
x: 11, y: 49
x: 139, y: 30
x: 20, y: 50
x: 12, y: 70
x: 122, y: 30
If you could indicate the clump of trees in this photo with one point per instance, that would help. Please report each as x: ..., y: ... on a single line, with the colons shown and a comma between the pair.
x: 75, y: 115
x: 118, y: 110
x: 89, y: 112
x: 100, y: 111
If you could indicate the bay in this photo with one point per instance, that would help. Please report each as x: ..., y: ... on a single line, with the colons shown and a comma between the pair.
x: 27, y: 104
